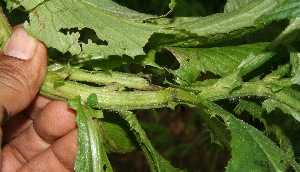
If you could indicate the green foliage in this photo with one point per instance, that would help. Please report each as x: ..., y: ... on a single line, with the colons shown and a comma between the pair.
x: 215, y: 65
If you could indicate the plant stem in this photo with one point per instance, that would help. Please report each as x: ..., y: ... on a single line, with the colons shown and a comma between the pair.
x: 169, y: 97
x: 115, y: 100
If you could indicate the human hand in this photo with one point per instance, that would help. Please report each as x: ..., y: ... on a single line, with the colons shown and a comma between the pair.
x: 38, y: 134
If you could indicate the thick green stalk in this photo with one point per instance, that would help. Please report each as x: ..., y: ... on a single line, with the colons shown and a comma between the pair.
x: 130, y: 100
x: 5, y: 29
x: 116, y: 100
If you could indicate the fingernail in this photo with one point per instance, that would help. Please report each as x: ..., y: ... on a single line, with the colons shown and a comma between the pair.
x: 20, y: 45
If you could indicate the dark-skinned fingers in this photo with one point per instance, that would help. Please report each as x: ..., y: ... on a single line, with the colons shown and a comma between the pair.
x: 53, y: 122
x: 23, y: 119
x: 15, y: 126
x: 23, y: 65
x: 60, y: 156
x: 36, y: 106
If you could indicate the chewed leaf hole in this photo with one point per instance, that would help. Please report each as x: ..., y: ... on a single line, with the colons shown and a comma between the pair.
x: 167, y: 59
x: 87, y: 35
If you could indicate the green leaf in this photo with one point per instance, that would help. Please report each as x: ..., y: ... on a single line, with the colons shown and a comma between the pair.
x: 253, y: 151
x: 199, y: 31
x: 172, y: 4
x: 121, y: 11
x: 221, y: 27
x: 287, y: 36
x: 273, y: 122
x: 287, y: 100
x: 58, y: 83
x: 253, y: 108
x: 116, y: 134
x: 156, y: 162
x: 91, y: 155
x: 27, y: 4
x: 92, y: 99
x: 254, y: 61
x: 295, y: 62
x: 217, y: 129
x: 233, y: 5
x: 288, y: 9
x: 218, y: 60
x: 118, y: 35
x: 271, y: 104
x: 279, y: 73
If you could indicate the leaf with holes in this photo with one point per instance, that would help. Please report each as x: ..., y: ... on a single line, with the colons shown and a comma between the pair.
x: 62, y: 24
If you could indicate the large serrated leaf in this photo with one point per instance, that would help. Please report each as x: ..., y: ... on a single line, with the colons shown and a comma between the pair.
x: 251, y: 149
x: 53, y: 21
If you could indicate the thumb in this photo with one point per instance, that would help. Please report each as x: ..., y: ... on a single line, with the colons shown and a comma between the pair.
x: 23, y: 65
